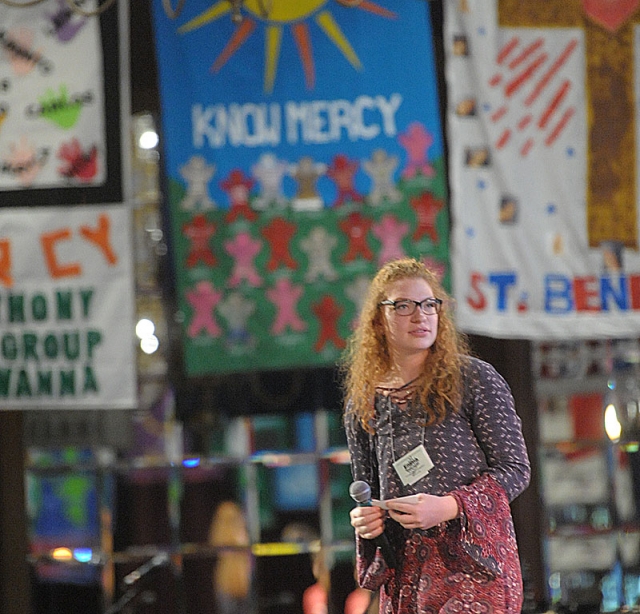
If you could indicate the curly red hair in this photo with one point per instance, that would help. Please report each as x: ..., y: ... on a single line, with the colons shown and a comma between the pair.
x: 367, y: 359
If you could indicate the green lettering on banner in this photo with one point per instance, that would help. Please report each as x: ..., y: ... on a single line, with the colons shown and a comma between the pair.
x: 63, y: 305
x: 45, y: 383
x: 30, y: 341
x: 24, y: 387
x: 5, y: 379
x: 39, y: 307
x: 51, y: 346
x: 85, y: 297
x: 9, y: 347
x: 21, y: 384
x: 67, y: 383
x: 71, y: 343
x: 90, y: 382
x: 93, y: 338
x: 16, y: 308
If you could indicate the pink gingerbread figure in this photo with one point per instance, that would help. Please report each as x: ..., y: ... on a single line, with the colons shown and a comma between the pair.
x: 203, y: 299
x: 285, y: 296
x: 436, y: 266
x: 244, y: 249
x: 416, y: 140
x: 390, y: 231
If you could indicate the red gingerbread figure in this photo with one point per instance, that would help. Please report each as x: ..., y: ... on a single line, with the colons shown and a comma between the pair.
x: 199, y: 231
x: 328, y: 312
x: 278, y: 233
x: 427, y: 208
x: 356, y: 227
x: 343, y: 171
x: 237, y: 187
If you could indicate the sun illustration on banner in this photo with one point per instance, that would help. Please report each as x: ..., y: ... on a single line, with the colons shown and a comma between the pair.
x: 275, y: 14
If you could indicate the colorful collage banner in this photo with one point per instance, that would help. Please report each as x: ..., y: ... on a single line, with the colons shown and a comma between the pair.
x: 543, y: 140
x: 59, y: 90
x: 302, y: 152
x: 67, y: 306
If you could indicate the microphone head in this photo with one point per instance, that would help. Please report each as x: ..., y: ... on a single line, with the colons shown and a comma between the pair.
x: 360, y: 491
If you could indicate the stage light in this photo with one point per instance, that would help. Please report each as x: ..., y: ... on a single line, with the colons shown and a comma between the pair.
x: 612, y: 425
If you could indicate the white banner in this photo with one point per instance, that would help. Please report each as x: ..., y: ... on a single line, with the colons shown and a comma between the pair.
x: 52, y: 105
x: 542, y: 140
x: 67, y: 309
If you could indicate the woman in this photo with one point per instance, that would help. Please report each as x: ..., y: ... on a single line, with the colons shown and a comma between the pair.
x: 425, y: 418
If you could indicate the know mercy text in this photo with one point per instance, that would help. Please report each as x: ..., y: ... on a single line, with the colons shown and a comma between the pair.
x: 313, y: 122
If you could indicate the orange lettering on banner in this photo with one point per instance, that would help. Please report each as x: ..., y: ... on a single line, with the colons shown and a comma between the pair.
x: 57, y: 269
x: 5, y: 263
x: 100, y: 236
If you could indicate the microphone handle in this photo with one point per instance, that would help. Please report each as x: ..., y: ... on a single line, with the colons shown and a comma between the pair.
x: 382, y: 542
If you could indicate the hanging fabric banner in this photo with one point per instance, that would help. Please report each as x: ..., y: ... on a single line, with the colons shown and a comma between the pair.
x: 543, y: 134
x: 303, y: 149
x: 67, y: 305
x: 66, y: 309
x: 60, y: 86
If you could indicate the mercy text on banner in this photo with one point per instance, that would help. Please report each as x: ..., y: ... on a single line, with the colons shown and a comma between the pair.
x: 303, y: 150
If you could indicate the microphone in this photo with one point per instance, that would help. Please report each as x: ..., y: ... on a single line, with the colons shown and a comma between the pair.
x: 157, y: 561
x: 360, y: 492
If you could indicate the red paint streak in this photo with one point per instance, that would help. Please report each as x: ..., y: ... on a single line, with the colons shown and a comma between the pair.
x: 301, y: 35
x: 568, y: 114
x: 554, y: 104
x: 246, y: 27
x: 515, y: 84
x: 504, y: 139
x: 526, y: 148
x: 526, y: 53
x: 495, y: 80
x: 365, y: 5
x: 525, y: 121
x: 555, y: 67
x: 499, y: 114
x: 507, y: 49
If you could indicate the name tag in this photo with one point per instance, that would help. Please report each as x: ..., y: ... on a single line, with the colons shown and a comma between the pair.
x: 413, y: 465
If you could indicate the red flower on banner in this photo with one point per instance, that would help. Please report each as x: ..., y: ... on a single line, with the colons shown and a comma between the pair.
x: 78, y: 164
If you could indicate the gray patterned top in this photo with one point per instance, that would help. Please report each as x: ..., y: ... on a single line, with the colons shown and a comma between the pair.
x: 483, y: 437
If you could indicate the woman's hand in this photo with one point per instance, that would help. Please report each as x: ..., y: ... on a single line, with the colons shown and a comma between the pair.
x: 367, y: 521
x: 429, y: 511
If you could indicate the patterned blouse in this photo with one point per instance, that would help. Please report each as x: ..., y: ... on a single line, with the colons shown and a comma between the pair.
x: 480, y: 458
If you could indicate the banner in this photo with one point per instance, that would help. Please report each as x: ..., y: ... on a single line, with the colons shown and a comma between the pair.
x: 67, y: 309
x: 60, y: 86
x: 303, y: 150
x: 543, y: 134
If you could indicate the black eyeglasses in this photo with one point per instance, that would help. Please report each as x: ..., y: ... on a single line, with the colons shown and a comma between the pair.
x: 407, y: 307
